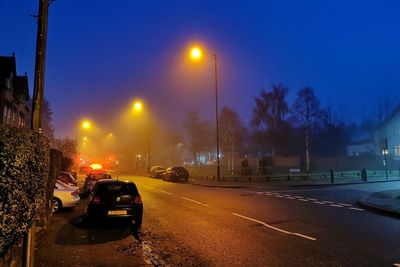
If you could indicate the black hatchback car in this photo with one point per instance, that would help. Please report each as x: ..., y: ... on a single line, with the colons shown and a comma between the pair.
x: 176, y: 174
x: 112, y: 199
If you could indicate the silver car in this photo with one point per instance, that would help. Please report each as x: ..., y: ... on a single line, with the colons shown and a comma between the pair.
x: 65, y: 196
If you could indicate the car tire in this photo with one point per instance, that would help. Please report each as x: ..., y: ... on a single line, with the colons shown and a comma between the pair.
x: 57, y: 204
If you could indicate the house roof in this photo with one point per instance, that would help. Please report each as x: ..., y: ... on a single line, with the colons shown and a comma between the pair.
x: 7, y: 66
x: 395, y: 112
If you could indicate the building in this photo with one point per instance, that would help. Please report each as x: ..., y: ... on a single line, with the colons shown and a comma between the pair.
x: 14, y: 94
x: 387, y: 136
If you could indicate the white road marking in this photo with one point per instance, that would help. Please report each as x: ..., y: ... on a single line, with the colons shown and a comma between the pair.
x: 260, y: 193
x: 321, y: 203
x: 165, y: 192
x: 298, y: 196
x: 279, y: 196
x: 346, y: 205
x: 286, y: 195
x: 352, y: 208
x: 291, y: 198
x: 302, y: 199
x: 275, y: 228
x: 312, y: 199
x: 329, y: 202
x: 194, y: 201
x: 337, y: 206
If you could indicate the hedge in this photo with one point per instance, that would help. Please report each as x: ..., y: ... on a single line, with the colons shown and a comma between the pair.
x: 24, y: 182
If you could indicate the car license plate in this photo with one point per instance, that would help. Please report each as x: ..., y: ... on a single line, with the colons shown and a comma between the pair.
x: 117, y: 212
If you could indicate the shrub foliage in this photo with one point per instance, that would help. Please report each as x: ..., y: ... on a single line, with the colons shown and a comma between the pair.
x: 24, y: 182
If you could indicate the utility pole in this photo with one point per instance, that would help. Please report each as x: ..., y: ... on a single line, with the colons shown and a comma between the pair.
x: 38, y: 86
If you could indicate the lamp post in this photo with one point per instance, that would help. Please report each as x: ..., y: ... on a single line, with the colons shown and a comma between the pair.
x: 196, y: 54
x: 138, y: 106
x: 85, y: 125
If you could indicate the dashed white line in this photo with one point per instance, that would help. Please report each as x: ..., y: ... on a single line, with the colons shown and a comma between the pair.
x: 291, y: 198
x: 298, y: 197
x: 279, y: 196
x: 335, y: 205
x: 329, y: 202
x: 302, y: 199
x: 344, y: 204
x: 165, y: 192
x: 312, y: 199
x: 317, y: 202
x: 352, y: 208
x: 275, y: 228
x: 194, y: 201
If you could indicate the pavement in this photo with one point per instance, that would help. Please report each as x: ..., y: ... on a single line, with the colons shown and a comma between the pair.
x: 387, y: 201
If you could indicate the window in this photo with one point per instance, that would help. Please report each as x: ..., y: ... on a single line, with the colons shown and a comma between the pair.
x: 397, y: 151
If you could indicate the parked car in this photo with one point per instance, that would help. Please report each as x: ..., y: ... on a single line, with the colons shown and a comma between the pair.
x: 156, y: 171
x: 92, y: 178
x: 67, y: 178
x: 65, y: 196
x: 175, y: 174
x: 112, y: 199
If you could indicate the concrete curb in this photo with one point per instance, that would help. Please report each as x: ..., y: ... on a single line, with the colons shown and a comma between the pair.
x: 384, y: 201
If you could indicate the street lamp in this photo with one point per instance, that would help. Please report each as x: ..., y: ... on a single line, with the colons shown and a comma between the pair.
x: 138, y: 106
x: 85, y: 125
x: 196, y: 53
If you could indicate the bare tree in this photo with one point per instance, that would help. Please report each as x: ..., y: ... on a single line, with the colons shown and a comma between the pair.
x: 270, y: 115
x: 47, y: 120
x: 232, y: 133
x: 307, y: 115
x: 198, y: 134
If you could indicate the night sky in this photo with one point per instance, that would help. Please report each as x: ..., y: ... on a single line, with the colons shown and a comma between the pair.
x: 103, y: 54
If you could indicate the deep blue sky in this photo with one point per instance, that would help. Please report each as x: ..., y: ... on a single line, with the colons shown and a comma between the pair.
x: 102, y: 54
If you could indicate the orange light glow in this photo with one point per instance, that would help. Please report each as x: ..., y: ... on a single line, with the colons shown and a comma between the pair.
x: 86, y: 124
x: 195, y: 53
x: 96, y: 166
x: 137, y: 106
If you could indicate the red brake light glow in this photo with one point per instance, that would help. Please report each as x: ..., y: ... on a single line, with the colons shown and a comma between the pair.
x: 75, y: 193
x: 138, y: 199
x: 96, y: 200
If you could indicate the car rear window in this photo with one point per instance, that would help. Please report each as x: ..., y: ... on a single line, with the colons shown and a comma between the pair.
x: 99, y: 176
x: 116, y: 189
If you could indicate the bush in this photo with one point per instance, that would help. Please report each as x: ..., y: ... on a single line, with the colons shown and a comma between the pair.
x: 24, y: 182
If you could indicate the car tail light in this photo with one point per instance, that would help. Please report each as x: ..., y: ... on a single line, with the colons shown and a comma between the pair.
x: 138, y: 199
x: 75, y: 193
x: 96, y: 200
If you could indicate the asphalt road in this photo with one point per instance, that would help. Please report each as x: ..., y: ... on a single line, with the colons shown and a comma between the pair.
x: 257, y: 225
x: 273, y: 226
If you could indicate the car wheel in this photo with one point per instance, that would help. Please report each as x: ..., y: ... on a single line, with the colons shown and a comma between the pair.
x: 57, y: 205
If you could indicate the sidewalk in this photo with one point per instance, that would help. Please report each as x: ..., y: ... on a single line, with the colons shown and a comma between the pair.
x: 386, y: 201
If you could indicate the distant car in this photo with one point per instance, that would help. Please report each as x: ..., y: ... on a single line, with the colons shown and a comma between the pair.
x: 65, y: 196
x: 92, y: 178
x: 115, y: 199
x: 156, y: 171
x: 175, y: 174
x: 67, y: 178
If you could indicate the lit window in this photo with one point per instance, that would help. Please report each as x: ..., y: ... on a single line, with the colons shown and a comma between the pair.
x: 397, y: 151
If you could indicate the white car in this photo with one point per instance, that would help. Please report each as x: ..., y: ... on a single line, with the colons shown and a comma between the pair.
x: 65, y: 196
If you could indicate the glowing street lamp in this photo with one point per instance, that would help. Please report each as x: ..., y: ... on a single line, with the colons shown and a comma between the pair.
x: 196, y: 54
x: 138, y: 106
x: 86, y: 124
